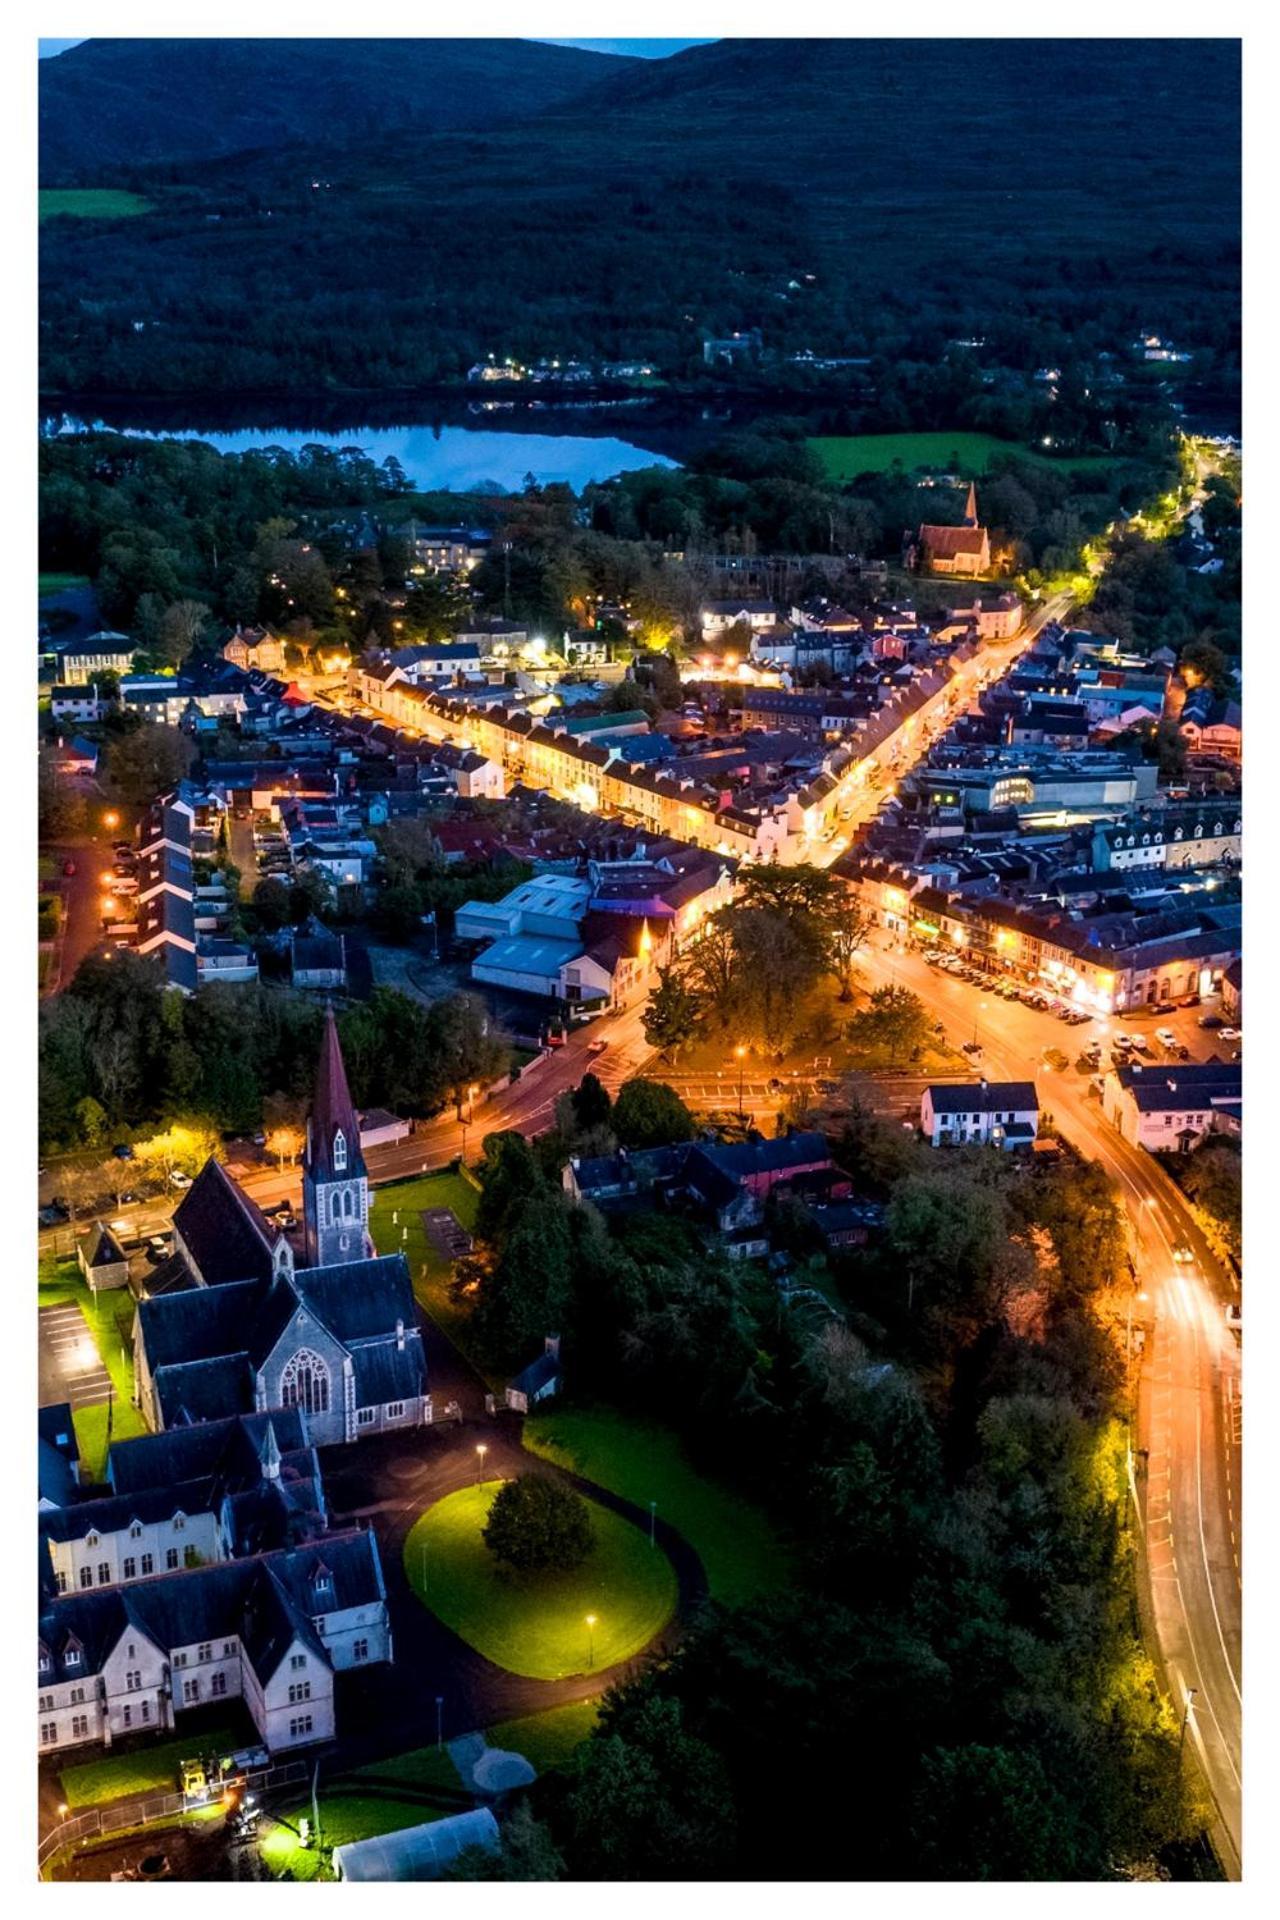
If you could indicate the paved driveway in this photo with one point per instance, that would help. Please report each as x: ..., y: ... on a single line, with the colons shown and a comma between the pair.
x: 70, y: 1368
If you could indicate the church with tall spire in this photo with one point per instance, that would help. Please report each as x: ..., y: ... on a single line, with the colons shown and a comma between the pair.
x: 335, y: 1184
x: 244, y: 1318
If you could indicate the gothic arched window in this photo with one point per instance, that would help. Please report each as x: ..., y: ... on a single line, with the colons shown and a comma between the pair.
x: 305, y: 1382
x: 348, y: 1204
x: 339, y: 1151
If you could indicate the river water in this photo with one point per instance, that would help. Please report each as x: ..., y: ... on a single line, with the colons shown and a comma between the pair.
x: 455, y: 458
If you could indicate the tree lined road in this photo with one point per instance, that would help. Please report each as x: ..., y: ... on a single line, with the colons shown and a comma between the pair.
x: 1188, y: 1501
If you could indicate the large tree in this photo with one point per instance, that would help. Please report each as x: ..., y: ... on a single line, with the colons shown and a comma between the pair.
x: 539, y: 1525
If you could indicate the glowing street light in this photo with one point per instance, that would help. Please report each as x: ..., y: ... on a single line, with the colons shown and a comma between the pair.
x: 480, y: 1454
x: 740, y: 1054
x: 591, y: 1639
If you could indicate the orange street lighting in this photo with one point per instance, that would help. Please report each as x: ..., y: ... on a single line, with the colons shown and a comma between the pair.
x: 591, y: 1639
x: 480, y: 1454
x: 111, y: 819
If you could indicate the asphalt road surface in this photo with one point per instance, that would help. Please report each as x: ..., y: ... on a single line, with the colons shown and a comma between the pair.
x: 1188, y: 1501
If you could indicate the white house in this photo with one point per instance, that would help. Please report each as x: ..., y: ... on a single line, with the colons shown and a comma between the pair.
x: 1168, y: 1108
x: 1000, y: 1113
x: 271, y: 1631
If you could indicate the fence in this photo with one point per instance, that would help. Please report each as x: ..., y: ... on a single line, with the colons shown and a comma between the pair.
x: 99, y: 1823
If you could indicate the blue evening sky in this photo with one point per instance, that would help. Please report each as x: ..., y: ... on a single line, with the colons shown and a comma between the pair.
x: 645, y: 49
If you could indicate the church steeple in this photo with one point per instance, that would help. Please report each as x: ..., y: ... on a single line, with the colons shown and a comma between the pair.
x: 335, y: 1188
x: 971, y: 506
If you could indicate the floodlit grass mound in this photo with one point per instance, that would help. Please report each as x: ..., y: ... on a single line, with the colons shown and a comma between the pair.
x: 738, y: 1547
x: 536, y: 1624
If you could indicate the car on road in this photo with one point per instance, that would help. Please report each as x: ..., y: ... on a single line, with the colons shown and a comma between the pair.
x: 972, y: 1048
x: 1210, y: 1021
x: 53, y: 1214
x: 180, y: 1179
x: 1138, y: 1045
x: 1183, y: 1256
x: 1166, y: 1036
x: 68, y: 868
x: 1230, y: 1033
x: 597, y: 1046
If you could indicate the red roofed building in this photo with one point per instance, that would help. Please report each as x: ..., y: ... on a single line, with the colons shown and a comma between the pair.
x: 965, y: 549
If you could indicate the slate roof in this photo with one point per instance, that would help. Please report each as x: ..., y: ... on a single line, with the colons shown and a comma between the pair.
x: 1217, y: 1083
x: 538, y: 1374
x: 990, y: 1096
x: 204, y: 1389
x: 361, y: 1299
x: 224, y: 1449
x: 57, y: 1429
x: 385, y: 1371
x: 266, y: 1603
x: 226, y: 1234
x: 204, y: 1322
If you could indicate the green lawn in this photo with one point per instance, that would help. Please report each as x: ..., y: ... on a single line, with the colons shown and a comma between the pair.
x: 430, y: 1270
x: 739, y: 1548
x: 91, y: 203
x: 46, y: 867
x: 969, y: 454
x: 151, y: 1769
x: 47, y: 583
x: 49, y: 916
x: 110, y: 1318
x: 536, y: 1624
x: 547, y: 1739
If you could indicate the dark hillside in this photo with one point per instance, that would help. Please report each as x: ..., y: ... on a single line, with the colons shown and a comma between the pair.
x: 112, y: 104
x: 846, y: 197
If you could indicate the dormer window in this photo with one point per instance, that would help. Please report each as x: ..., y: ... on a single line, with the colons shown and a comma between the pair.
x: 91, y: 1539
x: 339, y: 1151
x: 71, y: 1659
x: 46, y: 1664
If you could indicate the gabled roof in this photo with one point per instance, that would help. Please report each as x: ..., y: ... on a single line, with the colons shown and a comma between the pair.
x: 200, y: 1324
x: 228, y: 1236
x: 228, y: 1450
x: 196, y: 1390
x: 359, y: 1299
x: 986, y: 1096
x: 385, y: 1371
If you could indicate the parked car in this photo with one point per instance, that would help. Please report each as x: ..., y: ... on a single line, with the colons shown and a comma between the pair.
x: 1230, y: 1033
x: 68, y: 868
x: 123, y: 1151
x: 597, y: 1046
x: 1166, y: 1036
x: 1210, y: 1021
x: 179, y: 1179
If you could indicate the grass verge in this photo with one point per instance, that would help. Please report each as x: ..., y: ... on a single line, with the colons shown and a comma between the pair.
x: 536, y: 1625
x: 547, y: 1739
x: 739, y: 1548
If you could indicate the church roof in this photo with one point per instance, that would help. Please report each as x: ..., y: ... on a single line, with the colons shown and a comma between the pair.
x: 332, y: 1112
x: 384, y: 1371
x: 229, y: 1450
x: 226, y: 1234
x: 200, y: 1324
x: 196, y: 1390
x: 944, y: 542
x: 104, y: 1249
x: 359, y: 1299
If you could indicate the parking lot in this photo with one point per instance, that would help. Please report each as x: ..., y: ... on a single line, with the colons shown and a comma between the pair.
x: 70, y: 1368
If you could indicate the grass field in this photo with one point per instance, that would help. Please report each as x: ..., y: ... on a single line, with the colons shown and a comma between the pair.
x: 547, y: 1739
x: 91, y: 203
x: 110, y: 1318
x: 736, y: 1544
x: 59, y: 582
x: 149, y: 1770
x: 968, y: 454
x: 536, y: 1625
x: 430, y: 1271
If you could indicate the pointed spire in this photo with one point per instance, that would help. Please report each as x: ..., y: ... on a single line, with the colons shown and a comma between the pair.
x: 332, y: 1115
x: 270, y: 1455
x: 971, y: 506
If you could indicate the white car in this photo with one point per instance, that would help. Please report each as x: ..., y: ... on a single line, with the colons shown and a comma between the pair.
x: 180, y: 1179
x: 1166, y: 1036
x: 1230, y: 1033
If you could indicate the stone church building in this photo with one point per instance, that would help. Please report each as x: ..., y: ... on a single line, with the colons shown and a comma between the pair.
x: 964, y: 551
x: 243, y: 1320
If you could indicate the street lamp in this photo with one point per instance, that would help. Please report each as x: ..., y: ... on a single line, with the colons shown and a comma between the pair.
x: 591, y: 1639
x: 740, y: 1053
x: 653, y: 1516
x: 480, y: 1454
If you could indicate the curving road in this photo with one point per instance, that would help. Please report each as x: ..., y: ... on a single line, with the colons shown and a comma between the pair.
x: 1187, y: 1493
